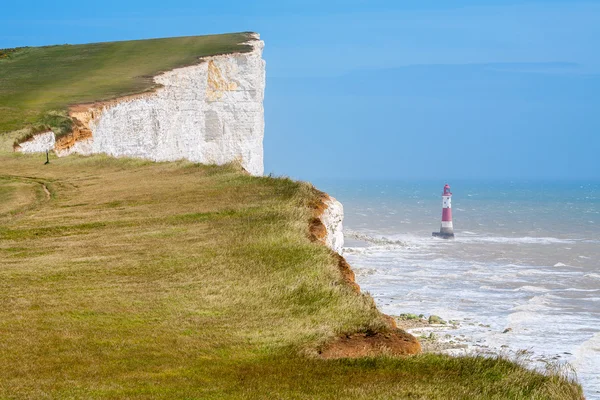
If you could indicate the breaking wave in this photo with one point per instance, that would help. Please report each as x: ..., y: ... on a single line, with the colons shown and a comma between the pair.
x: 515, y: 240
x: 462, y: 237
x: 377, y: 240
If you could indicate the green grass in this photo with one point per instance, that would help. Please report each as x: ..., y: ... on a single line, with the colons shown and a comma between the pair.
x: 37, y: 84
x: 172, y: 280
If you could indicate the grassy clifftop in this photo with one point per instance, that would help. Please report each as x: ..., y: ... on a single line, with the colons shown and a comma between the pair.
x: 131, y: 279
x: 37, y: 84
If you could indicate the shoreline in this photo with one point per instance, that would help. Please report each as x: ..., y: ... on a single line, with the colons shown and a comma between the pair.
x: 446, y: 338
x: 411, y: 273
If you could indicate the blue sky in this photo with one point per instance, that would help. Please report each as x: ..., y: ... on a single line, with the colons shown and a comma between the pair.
x: 388, y: 89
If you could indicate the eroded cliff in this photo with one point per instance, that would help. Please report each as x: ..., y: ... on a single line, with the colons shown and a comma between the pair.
x: 332, y: 218
x: 326, y: 228
x: 211, y: 112
x: 39, y: 143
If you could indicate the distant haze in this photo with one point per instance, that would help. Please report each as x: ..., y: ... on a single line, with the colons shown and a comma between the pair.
x: 382, y: 89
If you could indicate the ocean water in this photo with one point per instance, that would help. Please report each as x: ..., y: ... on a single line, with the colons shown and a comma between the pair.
x: 526, y: 259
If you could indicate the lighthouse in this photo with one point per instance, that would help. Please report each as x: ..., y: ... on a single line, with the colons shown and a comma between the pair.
x: 446, y: 231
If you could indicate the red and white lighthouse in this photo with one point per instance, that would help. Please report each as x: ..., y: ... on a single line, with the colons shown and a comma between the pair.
x: 447, y: 230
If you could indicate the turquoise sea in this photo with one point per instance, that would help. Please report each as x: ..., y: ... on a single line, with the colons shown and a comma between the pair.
x: 521, y: 277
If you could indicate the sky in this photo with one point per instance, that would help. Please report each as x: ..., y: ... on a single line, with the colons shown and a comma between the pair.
x: 387, y: 89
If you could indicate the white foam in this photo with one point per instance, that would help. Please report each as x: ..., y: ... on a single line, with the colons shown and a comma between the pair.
x: 533, y: 289
x: 544, y: 272
x: 587, y: 358
x: 533, y: 307
x: 591, y: 241
x: 515, y: 240
x: 378, y: 239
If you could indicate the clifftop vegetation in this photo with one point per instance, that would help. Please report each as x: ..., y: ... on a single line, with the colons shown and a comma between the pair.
x: 37, y: 84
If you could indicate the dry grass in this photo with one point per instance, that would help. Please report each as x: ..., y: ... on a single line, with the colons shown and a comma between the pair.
x: 173, y: 280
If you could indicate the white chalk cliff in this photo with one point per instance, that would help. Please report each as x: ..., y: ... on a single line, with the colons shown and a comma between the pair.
x: 208, y: 113
x: 332, y: 218
x: 39, y: 143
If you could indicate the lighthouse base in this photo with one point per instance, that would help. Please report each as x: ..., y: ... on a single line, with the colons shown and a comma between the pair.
x: 443, y: 235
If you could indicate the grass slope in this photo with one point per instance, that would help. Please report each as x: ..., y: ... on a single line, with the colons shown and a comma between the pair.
x: 37, y: 84
x: 172, y: 280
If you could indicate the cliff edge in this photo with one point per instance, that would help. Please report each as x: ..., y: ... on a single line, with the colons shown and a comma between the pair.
x: 211, y: 113
x: 326, y: 227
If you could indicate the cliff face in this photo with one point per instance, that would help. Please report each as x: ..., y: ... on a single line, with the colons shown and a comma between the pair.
x: 39, y: 143
x: 207, y: 113
x: 332, y: 218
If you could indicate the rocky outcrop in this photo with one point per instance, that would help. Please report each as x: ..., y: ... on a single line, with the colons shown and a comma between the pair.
x: 332, y: 218
x: 39, y: 143
x: 327, y: 224
x: 210, y: 113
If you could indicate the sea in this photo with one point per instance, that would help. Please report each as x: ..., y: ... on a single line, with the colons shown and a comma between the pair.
x: 521, y: 278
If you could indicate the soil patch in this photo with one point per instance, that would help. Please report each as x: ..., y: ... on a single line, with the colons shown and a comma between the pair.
x: 394, y: 343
